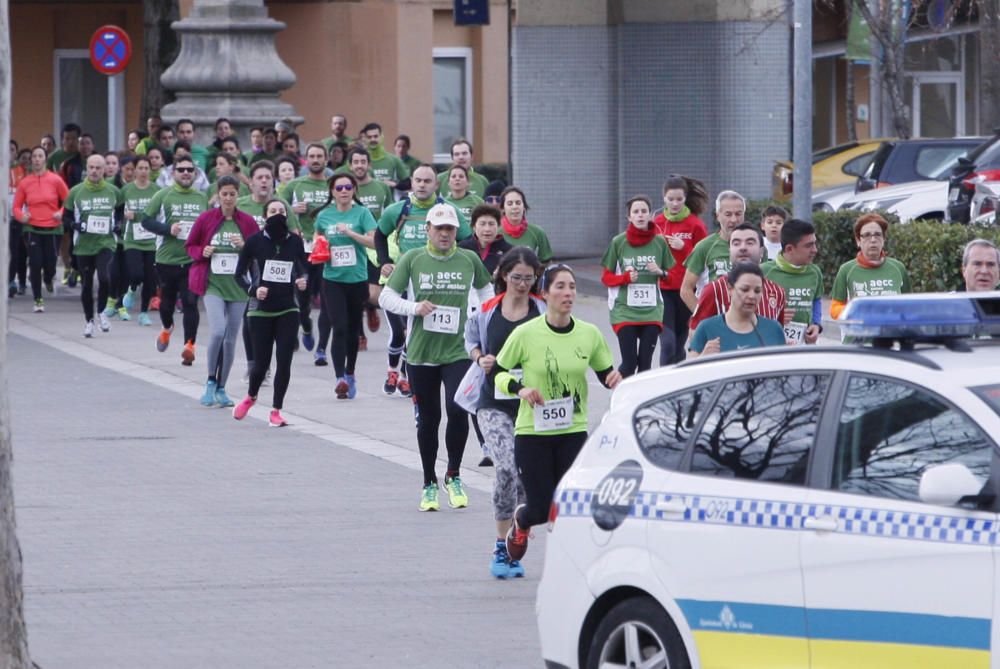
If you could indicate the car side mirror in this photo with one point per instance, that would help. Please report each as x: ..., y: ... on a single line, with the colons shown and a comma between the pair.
x: 951, y: 484
x: 864, y: 184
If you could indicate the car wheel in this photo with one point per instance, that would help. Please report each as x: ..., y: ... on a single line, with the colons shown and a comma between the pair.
x: 637, y: 634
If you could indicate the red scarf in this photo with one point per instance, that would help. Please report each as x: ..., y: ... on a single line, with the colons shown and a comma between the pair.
x: 637, y: 237
x: 514, y: 231
x: 483, y: 250
x: 868, y: 264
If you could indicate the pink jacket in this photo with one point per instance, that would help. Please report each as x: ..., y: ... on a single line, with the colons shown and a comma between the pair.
x: 201, y: 234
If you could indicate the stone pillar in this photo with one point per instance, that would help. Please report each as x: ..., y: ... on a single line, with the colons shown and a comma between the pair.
x: 228, y: 67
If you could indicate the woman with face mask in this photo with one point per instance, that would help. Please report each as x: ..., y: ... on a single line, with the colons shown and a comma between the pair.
x: 274, y: 261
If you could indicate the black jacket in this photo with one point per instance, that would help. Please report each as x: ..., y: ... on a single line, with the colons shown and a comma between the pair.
x: 256, y: 252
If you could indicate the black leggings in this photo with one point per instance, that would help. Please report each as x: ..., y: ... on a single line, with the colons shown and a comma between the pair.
x: 675, y: 327
x: 637, y: 343
x: 345, y: 307
x: 103, y: 264
x: 541, y: 462
x: 174, y: 283
x: 273, y: 333
x: 426, y: 382
x: 120, y: 274
x: 141, y: 269
x: 43, y: 250
x: 397, y: 341
x: 314, y: 284
x: 18, y: 268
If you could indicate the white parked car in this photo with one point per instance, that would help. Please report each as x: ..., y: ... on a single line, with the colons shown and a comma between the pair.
x: 830, y: 199
x: 985, y: 202
x: 791, y: 507
x: 910, y: 201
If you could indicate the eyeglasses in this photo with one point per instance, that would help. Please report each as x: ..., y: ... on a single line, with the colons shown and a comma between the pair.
x: 342, y: 187
x: 519, y: 278
x: 872, y: 235
x: 493, y: 199
x: 184, y: 170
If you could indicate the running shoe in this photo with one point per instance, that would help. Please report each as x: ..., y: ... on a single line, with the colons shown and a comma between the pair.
x: 517, y: 539
x: 342, y: 388
x: 154, y: 303
x: 276, y: 419
x: 88, y: 329
x: 362, y: 343
x: 144, y: 318
x: 515, y: 569
x: 391, y: 381
x: 404, y: 388
x: 222, y: 399
x: 374, y: 322
x: 308, y: 341
x: 123, y: 314
x: 39, y: 306
x: 187, y: 355
x: 49, y: 287
x: 105, y: 324
x: 319, y: 358
x: 241, y: 410
x: 163, y: 340
x: 487, y: 461
x: 208, y: 397
x: 109, y: 308
x: 457, y: 499
x: 352, y: 386
x: 74, y: 277
x: 499, y: 564
x: 429, y: 498
x: 128, y: 300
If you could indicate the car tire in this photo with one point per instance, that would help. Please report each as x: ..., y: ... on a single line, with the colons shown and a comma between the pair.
x: 656, y: 634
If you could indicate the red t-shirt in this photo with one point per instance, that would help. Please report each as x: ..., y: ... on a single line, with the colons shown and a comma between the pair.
x: 691, y: 230
x: 716, y: 296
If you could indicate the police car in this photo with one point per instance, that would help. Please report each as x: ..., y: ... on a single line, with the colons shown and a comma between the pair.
x: 792, y: 507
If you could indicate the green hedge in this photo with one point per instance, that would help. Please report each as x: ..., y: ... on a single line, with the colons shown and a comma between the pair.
x: 930, y: 250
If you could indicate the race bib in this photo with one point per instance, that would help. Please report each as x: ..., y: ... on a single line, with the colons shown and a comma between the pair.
x: 185, y: 230
x: 641, y: 295
x: 517, y: 374
x: 443, y: 320
x: 554, y: 415
x: 277, y: 271
x: 224, y: 263
x: 343, y: 256
x: 794, y: 332
x: 141, y: 234
x: 98, y: 225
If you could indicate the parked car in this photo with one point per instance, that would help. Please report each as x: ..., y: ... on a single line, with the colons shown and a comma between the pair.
x: 831, y: 199
x: 982, y: 164
x: 911, y: 201
x: 901, y: 160
x: 833, y: 166
x: 985, y: 200
x: 791, y: 506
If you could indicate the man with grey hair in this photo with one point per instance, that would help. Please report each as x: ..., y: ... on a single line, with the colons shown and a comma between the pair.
x: 981, y: 265
x: 710, y: 257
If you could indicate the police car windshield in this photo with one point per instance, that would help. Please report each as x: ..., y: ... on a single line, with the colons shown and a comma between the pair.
x: 990, y: 395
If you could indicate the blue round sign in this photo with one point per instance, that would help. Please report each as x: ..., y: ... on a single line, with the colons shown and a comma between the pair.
x: 110, y: 50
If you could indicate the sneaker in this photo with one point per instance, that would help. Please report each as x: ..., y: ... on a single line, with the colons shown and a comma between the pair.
x: 187, y: 355
x: 276, y: 419
x: 154, y: 303
x: 123, y: 314
x: 208, y: 397
x: 457, y: 499
x: 342, y: 388
x: 352, y: 386
x: 128, y: 300
x: 144, y: 318
x: 429, y: 498
x: 105, y: 323
x: 73, y: 278
x: 163, y: 340
x: 517, y: 539
x: 404, y: 388
x: 374, y: 322
x: 49, y: 287
x: 88, y: 329
x: 241, y: 409
x: 222, y: 399
x: 515, y: 569
x: 487, y: 461
x: 308, y: 341
x: 319, y: 358
x: 362, y: 343
x: 110, y: 310
x: 499, y: 564
x: 391, y: 381
x: 39, y: 306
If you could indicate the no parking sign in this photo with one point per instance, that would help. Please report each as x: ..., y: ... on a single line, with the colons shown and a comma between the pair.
x: 110, y: 50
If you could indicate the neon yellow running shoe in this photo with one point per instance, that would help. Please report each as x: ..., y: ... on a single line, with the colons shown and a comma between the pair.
x: 429, y: 498
x: 457, y: 499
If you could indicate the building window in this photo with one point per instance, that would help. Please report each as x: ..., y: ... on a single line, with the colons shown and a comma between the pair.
x: 94, y: 101
x: 452, y: 99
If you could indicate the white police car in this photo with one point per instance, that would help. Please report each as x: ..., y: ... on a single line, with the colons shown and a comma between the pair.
x: 791, y: 507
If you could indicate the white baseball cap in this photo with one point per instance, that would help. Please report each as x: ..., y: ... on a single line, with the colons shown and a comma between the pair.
x: 442, y: 214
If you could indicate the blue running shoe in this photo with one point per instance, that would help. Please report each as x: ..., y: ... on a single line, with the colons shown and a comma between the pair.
x: 352, y: 386
x: 515, y: 569
x: 308, y: 341
x: 222, y: 399
x: 499, y: 566
x: 319, y: 358
x: 208, y: 398
x: 128, y: 300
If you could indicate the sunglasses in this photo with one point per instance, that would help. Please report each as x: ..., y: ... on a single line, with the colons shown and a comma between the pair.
x: 342, y: 187
x: 185, y: 170
x: 551, y: 271
x: 493, y: 199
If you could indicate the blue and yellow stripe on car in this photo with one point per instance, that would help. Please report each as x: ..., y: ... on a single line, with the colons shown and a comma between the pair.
x: 745, y: 635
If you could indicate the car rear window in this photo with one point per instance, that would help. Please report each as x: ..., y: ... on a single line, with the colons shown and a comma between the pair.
x: 989, y: 159
x: 936, y: 162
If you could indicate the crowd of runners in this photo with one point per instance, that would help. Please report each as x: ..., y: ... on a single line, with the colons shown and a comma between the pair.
x: 479, y: 316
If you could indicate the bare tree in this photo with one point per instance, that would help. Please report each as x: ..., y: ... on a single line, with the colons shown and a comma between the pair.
x: 160, y: 50
x: 13, y: 631
x: 989, y: 22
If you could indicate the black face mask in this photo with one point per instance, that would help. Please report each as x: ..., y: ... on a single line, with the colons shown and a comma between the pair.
x: 277, y: 227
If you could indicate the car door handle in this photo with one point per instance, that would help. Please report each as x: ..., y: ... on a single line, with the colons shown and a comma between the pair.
x: 820, y: 524
x: 673, y: 506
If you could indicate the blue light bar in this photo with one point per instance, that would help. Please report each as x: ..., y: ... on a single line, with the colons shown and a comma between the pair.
x: 928, y: 316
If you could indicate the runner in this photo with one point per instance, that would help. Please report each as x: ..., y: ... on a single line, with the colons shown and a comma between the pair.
x: 485, y: 240
x: 37, y: 200
x: 437, y: 279
x: 485, y: 334
x: 171, y: 215
x: 214, y: 244
x: 872, y: 272
x: 710, y: 258
x: 93, y: 209
x: 793, y: 270
x: 460, y: 195
x: 461, y: 154
x: 551, y: 426
x: 386, y: 167
x: 225, y: 166
x: 633, y: 264
x: 140, y: 243
x: 348, y: 227
x: 274, y: 260
x: 516, y: 229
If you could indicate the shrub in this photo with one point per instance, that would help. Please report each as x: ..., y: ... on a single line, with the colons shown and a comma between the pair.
x: 932, y: 251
